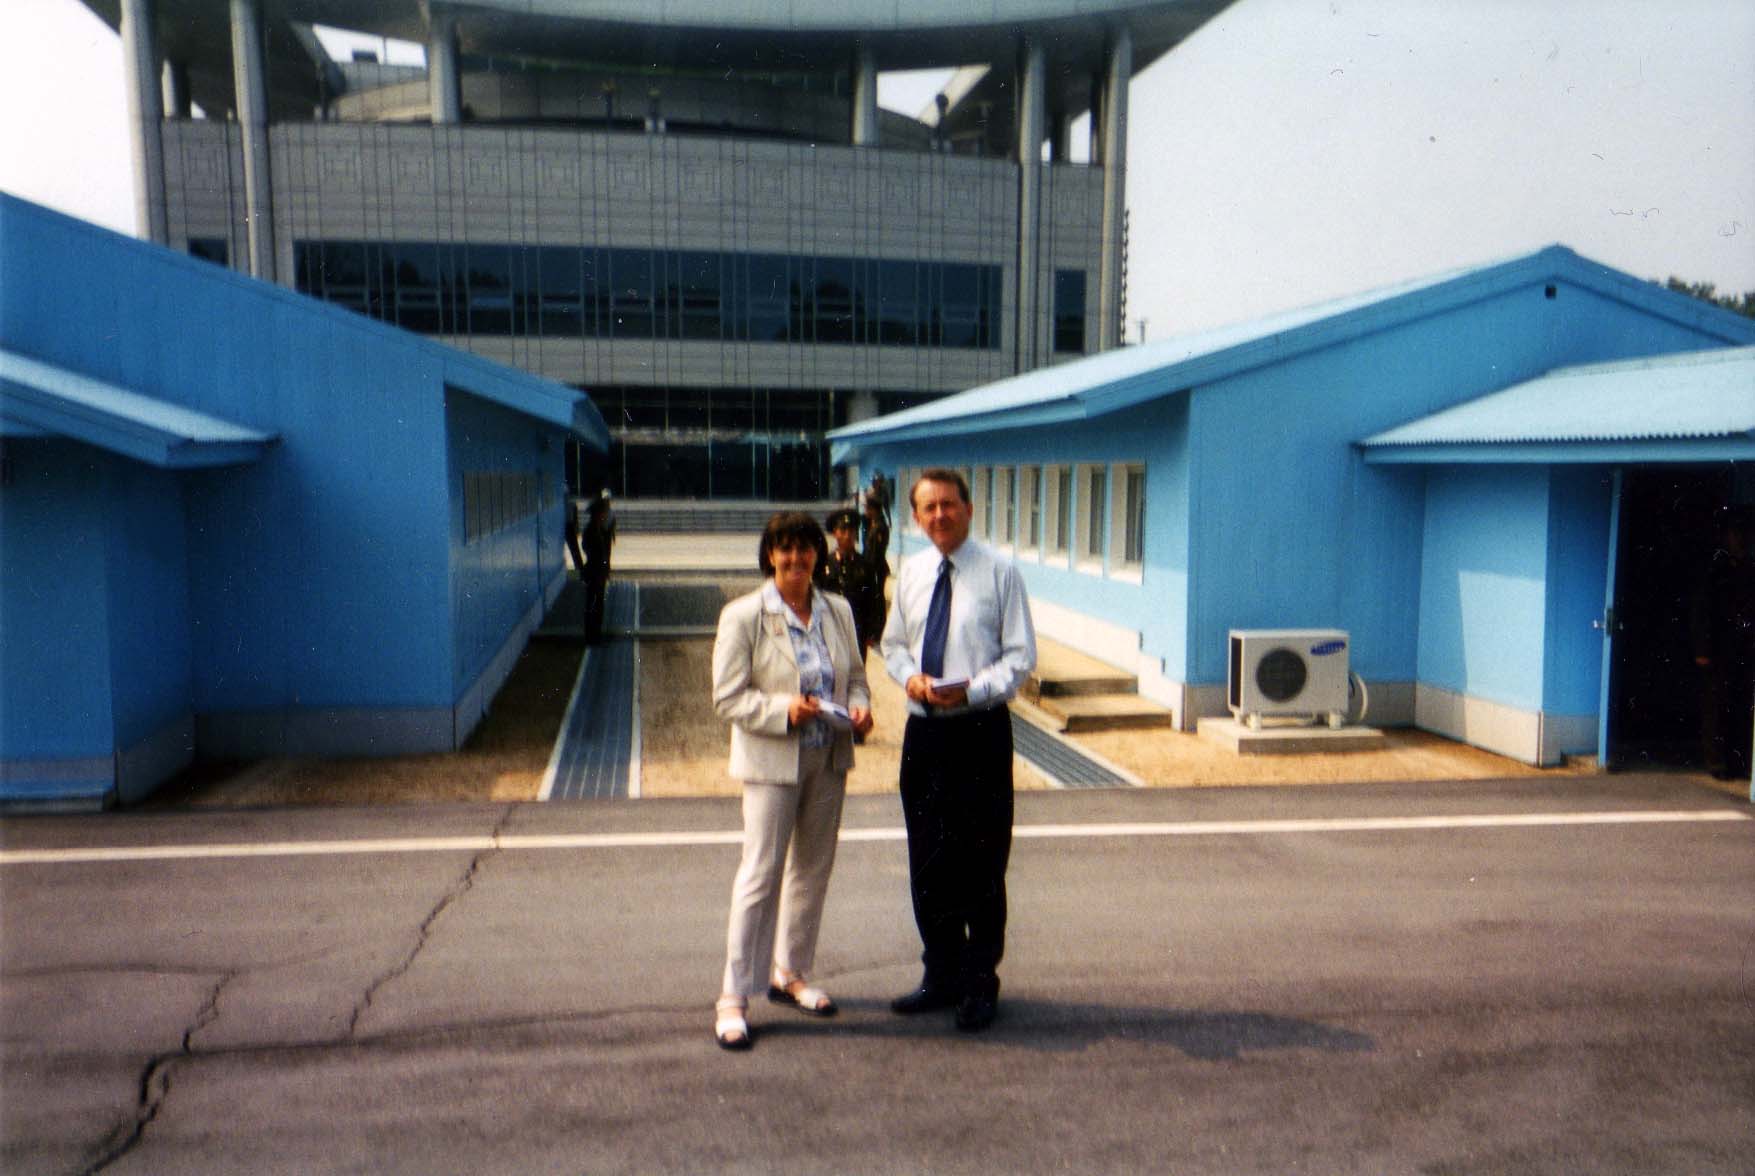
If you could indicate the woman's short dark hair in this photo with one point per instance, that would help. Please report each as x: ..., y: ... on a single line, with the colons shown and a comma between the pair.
x: 791, y: 528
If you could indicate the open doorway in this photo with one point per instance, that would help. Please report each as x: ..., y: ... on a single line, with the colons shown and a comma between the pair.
x: 1671, y: 522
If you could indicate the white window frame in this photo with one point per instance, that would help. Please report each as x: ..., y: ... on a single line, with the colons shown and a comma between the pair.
x: 1057, y: 514
x: 1030, y: 518
x: 1005, y: 507
x: 1090, y: 512
x: 981, y: 502
x: 1127, y: 521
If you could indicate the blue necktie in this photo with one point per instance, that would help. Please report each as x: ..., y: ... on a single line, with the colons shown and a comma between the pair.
x: 938, y: 624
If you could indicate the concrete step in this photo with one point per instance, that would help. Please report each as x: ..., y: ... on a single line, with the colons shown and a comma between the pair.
x: 1062, y: 672
x: 1104, y: 712
x: 1072, y: 687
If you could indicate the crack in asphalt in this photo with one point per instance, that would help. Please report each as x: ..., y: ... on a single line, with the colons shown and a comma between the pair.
x: 457, y: 890
x: 155, y: 1081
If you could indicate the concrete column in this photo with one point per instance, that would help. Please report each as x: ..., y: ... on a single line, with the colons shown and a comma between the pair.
x: 250, y: 98
x: 444, y: 85
x: 175, y: 85
x: 1094, y: 132
x: 1032, y: 90
x: 861, y: 406
x: 1114, y: 143
x: 146, y: 148
x: 865, y: 104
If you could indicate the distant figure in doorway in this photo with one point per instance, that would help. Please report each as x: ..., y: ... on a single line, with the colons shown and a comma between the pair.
x: 884, y: 493
x: 598, y: 539
x: 1723, y: 630
x: 788, y: 678
x: 845, y: 571
x: 876, y: 552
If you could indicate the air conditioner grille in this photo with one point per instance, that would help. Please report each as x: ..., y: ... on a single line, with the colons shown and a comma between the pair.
x: 1280, y: 675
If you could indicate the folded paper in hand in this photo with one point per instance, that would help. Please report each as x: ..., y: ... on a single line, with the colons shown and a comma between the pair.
x: 949, y: 683
x: 834, y: 714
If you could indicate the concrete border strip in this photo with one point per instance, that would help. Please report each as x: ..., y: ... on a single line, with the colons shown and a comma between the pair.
x: 554, y: 755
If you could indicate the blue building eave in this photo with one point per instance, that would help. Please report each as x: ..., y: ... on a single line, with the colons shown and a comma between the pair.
x: 42, y: 398
x: 1669, y: 451
x: 542, y: 400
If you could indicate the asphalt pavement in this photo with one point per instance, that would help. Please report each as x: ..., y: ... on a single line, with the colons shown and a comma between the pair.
x: 1550, y: 976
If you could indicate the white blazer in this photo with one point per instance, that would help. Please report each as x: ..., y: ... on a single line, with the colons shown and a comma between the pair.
x: 755, y: 678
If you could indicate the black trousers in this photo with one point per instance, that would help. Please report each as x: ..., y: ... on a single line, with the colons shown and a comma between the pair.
x: 957, y: 804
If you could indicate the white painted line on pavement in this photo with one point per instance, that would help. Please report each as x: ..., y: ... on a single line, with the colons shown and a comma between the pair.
x: 141, y: 853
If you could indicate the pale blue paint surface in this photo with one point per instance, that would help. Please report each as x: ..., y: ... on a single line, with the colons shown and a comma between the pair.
x: 1483, y: 605
x: 321, y: 577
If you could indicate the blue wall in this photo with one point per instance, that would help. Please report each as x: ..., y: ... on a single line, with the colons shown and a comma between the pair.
x: 54, y: 613
x: 1483, y: 585
x: 498, y: 575
x: 1292, y: 528
x: 328, y: 577
x: 147, y: 578
x: 1578, y: 566
x: 1263, y: 514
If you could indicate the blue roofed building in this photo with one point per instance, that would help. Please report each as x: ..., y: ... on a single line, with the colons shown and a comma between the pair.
x: 1499, y: 481
x: 237, y: 522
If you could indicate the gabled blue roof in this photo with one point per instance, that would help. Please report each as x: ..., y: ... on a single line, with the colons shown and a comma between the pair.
x: 1696, y: 406
x: 1119, y: 379
x: 543, y: 399
x: 38, y: 397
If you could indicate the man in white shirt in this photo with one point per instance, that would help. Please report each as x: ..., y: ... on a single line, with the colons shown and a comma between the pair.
x: 960, y: 642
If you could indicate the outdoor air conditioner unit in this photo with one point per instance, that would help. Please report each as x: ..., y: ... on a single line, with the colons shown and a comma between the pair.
x: 1288, y: 672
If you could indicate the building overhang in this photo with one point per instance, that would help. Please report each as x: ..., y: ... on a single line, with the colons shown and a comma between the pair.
x: 1673, y: 451
x: 40, y: 399
x: 814, y: 36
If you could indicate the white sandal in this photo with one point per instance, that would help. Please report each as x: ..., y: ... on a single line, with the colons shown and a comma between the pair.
x: 730, y: 1029
x: 792, y: 990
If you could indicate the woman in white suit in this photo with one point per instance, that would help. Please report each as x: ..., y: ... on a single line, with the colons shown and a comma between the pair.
x: 789, y: 677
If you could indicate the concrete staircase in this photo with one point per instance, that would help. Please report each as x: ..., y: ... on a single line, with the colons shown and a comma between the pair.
x: 1080, y: 693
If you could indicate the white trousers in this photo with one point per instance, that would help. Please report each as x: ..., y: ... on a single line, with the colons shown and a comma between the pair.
x: 776, y: 888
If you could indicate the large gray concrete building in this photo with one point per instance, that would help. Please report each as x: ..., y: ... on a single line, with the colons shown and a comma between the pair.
x: 693, y: 209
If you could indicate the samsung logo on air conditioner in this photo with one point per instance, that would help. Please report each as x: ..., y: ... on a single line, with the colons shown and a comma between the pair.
x: 1327, y: 647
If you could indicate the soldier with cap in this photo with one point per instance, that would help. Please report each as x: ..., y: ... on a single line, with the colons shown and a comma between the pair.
x: 846, y: 571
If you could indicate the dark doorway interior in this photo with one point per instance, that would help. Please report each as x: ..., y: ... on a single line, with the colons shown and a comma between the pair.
x: 1670, y: 522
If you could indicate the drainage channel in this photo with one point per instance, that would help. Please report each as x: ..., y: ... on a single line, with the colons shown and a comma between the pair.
x: 1063, y: 763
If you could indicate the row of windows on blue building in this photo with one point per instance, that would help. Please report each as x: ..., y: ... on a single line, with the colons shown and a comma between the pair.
x: 559, y: 291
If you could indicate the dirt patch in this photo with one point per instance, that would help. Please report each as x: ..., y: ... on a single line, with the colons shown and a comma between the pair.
x: 504, y: 759
x: 1173, y: 759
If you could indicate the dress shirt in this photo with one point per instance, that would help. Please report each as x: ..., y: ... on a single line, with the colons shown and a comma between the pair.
x: 992, y: 641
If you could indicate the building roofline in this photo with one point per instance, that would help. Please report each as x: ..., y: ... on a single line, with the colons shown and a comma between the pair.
x: 1120, y: 379
x: 542, y: 399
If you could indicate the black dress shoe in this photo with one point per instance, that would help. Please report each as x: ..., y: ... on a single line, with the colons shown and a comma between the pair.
x: 976, y: 1011
x: 924, y: 999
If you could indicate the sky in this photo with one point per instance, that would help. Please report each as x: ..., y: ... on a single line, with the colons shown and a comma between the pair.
x: 1289, y: 152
